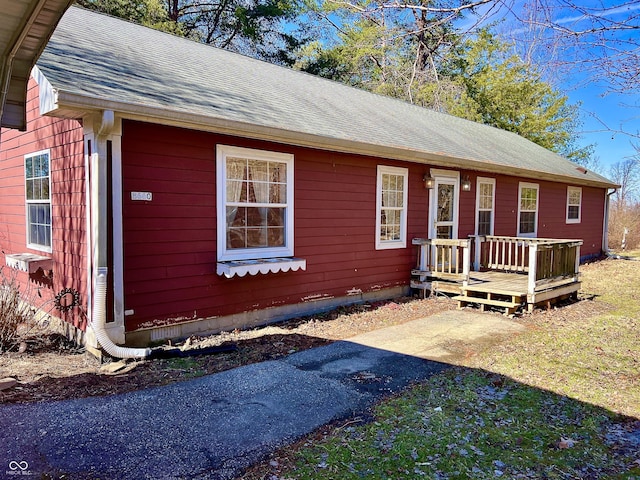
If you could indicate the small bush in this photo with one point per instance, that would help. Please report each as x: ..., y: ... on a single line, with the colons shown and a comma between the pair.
x: 14, y: 312
x: 624, y: 217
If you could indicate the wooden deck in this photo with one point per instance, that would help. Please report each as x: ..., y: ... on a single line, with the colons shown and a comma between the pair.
x: 515, y: 272
x: 508, y: 291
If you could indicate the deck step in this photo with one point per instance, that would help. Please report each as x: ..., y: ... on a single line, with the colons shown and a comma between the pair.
x: 420, y: 285
x: 509, y: 307
x: 487, y: 301
x: 420, y: 273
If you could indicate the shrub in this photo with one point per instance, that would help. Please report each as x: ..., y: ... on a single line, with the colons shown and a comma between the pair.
x: 15, y: 312
x: 624, y: 217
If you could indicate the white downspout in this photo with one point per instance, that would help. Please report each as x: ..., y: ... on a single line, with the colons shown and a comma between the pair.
x: 99, y: 200
x: 98, y: 319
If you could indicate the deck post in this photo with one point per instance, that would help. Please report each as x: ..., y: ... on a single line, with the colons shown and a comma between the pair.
x: 478, y: 240
x: 424, y: 257
x: 533, y: 260
x: 577, y: 268
x: 466, y: 261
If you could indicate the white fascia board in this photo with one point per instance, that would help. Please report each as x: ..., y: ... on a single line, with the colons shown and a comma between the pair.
x: 165, y: 116
x: 48, y: 95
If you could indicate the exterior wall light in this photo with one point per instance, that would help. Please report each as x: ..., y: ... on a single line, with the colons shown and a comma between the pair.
x: 429, y: 181
x: 466, y: 184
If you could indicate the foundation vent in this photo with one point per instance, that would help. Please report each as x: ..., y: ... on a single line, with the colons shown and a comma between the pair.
x: 165, y: 332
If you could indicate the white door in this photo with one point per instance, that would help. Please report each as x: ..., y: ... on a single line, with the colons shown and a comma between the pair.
x: 443, y: 201
x: 443, y: 215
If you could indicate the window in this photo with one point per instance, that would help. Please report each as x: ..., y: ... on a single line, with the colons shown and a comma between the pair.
x: 574, y: 200
x: 485, y: 205
x: 38, y: 200
x: 528, y: 210
x: 255, y: 204
x: 391, y: 207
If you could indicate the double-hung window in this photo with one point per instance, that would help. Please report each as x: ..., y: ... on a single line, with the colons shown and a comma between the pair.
x: 485, y: 194
x: 391, y: 207
x: 528, y: 210
x: 38, y: 200
x: 574, y: 202
x: 254, y: 204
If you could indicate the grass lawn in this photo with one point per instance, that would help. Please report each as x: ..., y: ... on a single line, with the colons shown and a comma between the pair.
x: 561, y: 400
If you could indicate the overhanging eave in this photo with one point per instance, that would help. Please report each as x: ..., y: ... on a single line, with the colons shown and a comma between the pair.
x: 25, y: 29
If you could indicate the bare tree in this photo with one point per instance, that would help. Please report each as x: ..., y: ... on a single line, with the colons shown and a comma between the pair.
x: 601, y: 39
x: 626, y: 173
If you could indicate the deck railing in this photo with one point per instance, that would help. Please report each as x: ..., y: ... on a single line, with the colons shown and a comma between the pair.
x: 544, y: 260
x: 447, y: 259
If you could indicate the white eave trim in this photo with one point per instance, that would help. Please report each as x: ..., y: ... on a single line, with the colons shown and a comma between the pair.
x: 165, y: 116
x: 48, y: 95
x: 254, y: 267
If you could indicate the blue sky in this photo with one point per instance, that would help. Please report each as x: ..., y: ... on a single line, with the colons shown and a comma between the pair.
x: 603, y: 116
x: 610, y: 121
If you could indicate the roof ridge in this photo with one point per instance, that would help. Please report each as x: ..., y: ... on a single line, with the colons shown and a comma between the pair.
x: 139, y: 69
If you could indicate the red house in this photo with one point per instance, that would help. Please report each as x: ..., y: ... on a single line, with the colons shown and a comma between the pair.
x: 167, y: 188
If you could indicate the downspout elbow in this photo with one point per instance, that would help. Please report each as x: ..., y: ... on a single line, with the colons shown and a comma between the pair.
x: 98, y: 323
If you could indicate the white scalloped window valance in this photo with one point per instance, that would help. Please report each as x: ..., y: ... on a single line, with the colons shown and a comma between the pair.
x: 263, y: 265
x: 28, y: 262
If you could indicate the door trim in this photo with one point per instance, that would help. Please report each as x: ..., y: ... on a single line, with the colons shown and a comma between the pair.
x: 448, y: 176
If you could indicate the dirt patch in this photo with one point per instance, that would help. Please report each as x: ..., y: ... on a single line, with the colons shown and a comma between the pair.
x: 53, y: 369
x: 50, y: 368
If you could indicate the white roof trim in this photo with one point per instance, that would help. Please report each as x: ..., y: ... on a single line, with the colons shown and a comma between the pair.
x: 73, y: 105
x: 48, y: 95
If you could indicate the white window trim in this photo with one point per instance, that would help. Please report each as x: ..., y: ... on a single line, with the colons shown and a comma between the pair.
x: 574, y: 220
x: 390, y: 244
x: 522, y: 185
x: 451, y: 177
x: 224, y: 254
x: 35, y: 246
x: 491, y: 181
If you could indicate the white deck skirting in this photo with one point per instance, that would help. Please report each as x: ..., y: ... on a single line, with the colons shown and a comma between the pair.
x: 263, y: 265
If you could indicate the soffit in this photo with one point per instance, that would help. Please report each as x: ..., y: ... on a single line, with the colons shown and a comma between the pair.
x: 25, y: 29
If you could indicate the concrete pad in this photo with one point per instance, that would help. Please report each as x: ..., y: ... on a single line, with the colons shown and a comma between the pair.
x: 444, y: 337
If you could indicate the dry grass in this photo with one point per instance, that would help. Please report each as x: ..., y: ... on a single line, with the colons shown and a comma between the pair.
x: 51, y: 369
x: 561, y: 400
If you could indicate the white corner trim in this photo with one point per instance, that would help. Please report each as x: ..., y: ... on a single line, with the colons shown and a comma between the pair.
x: 254, y: 267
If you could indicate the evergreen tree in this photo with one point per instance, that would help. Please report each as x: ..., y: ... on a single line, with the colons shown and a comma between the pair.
x: 251, y: 27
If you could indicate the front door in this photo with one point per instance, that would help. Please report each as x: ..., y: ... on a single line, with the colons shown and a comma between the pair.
x: 443, y: 211
x: 443, y: 216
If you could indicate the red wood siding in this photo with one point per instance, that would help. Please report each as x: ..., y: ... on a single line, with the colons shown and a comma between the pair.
x: 552, y: 198
x: 170, y: 243
x: 64, y: 139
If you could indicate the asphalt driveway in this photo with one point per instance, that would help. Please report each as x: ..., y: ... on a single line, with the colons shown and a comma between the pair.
x: 215, y: 426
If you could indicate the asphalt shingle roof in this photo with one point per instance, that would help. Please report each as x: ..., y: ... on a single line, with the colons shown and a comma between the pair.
x: 94, y: 56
